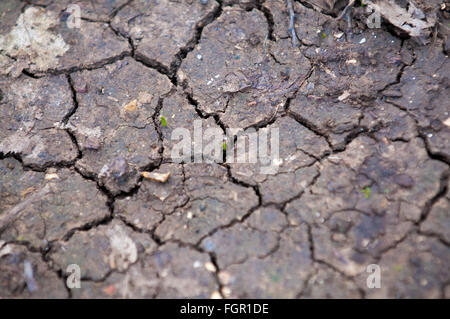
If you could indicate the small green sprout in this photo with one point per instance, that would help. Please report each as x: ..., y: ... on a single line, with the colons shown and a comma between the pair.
x: 274, y: 277
x: 398, y: 267
x: 163, y: 121
x: 323, y: 35
x: 224, y: 146
x: 366, y: 192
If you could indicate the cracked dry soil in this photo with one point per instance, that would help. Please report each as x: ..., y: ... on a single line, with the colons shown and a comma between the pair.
x: 364, y: 141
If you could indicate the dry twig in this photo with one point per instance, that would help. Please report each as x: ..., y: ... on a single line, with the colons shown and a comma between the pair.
x: 291, y: 13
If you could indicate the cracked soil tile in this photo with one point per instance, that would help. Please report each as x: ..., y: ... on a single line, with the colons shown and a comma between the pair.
x: 38, y: 208
x: 340, y: 89
x: 170, y: 272
x: 235, y: 70
x: 247, y: 243
x: 423, y: 93
x: 24, y: 274
x: 146, y: 208
x: 41, y: 41
x: 29, y: 115
x: 416, y: 268
x: 114, y: 121
x: 102, y: 250
x: 214, y: 202
x: 367, y: 202
x: 179, y: 114
x: 371, y: 178
x: 437, y: 221
x: 162, y: 30
x: 329, y: 284
x: 281, y: 274
x: 298, y: 148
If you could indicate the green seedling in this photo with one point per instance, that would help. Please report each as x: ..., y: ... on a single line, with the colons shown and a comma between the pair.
x: 366, y: 191
x: 163, y: 121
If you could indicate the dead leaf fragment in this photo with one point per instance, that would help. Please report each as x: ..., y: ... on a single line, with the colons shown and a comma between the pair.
x: 131, y: 106
x: 343, y: 96
x: 413, y: 21
x: 27, y: 191
x: 157, y: 177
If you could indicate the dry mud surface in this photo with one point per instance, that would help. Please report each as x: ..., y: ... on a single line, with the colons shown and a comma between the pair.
x: 364, y: 123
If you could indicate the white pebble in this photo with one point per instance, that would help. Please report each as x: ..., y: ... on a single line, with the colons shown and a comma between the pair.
x: 210, y: 267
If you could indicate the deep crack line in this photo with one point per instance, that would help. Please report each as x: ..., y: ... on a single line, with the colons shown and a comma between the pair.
x: 443, y: 188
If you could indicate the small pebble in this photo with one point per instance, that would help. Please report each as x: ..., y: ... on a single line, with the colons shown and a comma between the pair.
x: 209, y: 266
x: 365, y: 242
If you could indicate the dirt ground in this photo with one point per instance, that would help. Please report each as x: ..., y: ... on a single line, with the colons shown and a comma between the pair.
x: 364, y: 123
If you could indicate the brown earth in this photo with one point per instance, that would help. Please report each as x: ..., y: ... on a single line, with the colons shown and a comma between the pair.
x: 364, y: 126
